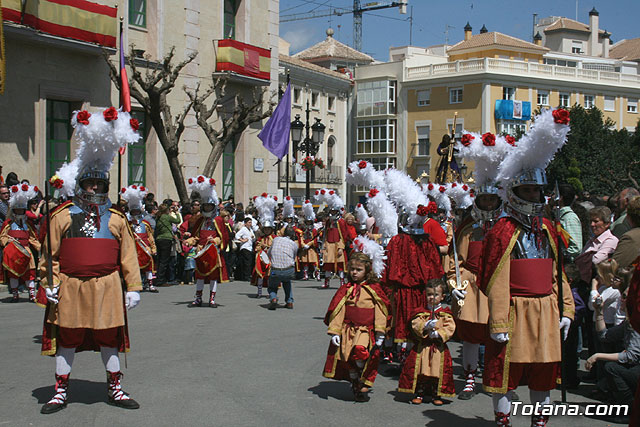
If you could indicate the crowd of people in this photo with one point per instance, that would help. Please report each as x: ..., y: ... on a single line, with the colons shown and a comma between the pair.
x: 514, y: 273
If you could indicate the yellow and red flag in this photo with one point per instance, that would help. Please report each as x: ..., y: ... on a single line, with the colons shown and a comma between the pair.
x: 74, y: 19
x: 245, y: 59
x: 563, y: 234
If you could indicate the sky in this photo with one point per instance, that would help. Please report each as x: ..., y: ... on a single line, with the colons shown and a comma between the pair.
x: 385, y: 28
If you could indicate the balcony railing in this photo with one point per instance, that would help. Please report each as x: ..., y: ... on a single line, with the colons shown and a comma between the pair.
x: 330, y: 175
x: 522, y: 68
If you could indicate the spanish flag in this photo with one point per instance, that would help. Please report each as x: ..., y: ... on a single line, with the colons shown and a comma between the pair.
x: 245, y: 59
x: 563, y: 235
x: 74, y: 19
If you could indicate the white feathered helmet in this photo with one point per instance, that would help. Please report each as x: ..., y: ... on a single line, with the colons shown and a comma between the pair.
x: 266, y: 205
x: 287, y: 207
x: 206, y: 187
x: 460, y: 194
x: 20, y: 194
x: 373, y: 250
x: 134, y: 195
x: 64, y: 180
x: 307, y: 210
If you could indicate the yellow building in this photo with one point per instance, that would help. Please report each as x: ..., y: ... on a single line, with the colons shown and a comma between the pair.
x: 493, y: 82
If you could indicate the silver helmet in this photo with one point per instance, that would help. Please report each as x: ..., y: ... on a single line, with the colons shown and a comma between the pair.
x: 520, y: 206
x: 92, y: 172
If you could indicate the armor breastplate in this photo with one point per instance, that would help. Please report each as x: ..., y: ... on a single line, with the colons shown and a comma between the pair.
x: 17, y: 227
x: 208, y: 225
x: 85, y: 224
x: 526, y: 247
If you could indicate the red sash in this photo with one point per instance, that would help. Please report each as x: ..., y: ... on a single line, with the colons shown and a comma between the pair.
x: 87, y: 257
x: 358, y: 316
x: 143, y: 249
x: 22, y: 236
x: 531, y: 277
x: 209, y: 261
x: 473, y: 256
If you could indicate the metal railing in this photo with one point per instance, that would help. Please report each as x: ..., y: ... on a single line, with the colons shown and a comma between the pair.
x: 330, y: 175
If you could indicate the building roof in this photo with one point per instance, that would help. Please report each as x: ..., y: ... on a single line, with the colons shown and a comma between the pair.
x: 626, y: 50
x: 495, y: 38
x: 313, y: 67
x: 569, y: 24
x: 332, y: 48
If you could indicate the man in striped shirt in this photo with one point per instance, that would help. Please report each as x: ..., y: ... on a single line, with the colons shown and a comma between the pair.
x: 283, y: 260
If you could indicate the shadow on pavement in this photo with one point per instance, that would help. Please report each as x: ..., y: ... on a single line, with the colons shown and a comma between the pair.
x: 335, y: 389
x: 441, y: 417
x: 37, y: 339
x: 9, y: 300
x: 80, y: 391
x: 400, y: 397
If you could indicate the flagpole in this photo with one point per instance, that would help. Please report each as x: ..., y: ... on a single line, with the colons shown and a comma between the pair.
x: 289, y: 147
x: 121, y: 104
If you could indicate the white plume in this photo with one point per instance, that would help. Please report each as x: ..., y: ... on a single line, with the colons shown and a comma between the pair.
x: 287, y: 207
x: 486, y: 158
x: 384, y: 212
x: 406, y: 194
x: 361, y: 214
x: 307, y: 210
x: 373, y: 250
x: 134, y: 195
x: 206, y: 187
x: 266, y: 205
x: 367, y: 177
x: 67, y: 175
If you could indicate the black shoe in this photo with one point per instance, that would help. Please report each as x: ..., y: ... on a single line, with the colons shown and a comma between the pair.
x: 196, y: 303
x: 273, y: 304
x: 466, y: 395
x: 50, y: 408
x: 214, y: 305
x: 290, y: 305
x: 126, y: 403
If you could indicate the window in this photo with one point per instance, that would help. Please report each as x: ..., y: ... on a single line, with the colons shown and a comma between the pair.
x: 564, y: 100
x: 376, y: 98
x: 138, y: 13
x: 455, y: 95
x: 376, y: 136
x: 459, y: 127
x: 331, y: 103
x: 58, y: 134
x: 228, y: 169
x: 230, y: 9
x: 589, y: 101
x: 296, y: 95
x: 543, y: 97
x: 137, y: 152
x: 331, y: 143
x: 511, y: 127
x: 576, y: 47
x: 423, y: 140
x: 314, y: 100
x: 609, y: 103
x: 424, y: 97
x: 632, y: 105
x: 509, y: 93
x: 382, y: 163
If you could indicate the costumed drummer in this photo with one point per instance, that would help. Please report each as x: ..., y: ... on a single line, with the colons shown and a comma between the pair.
x: 265, y: 205
x: 210, y: 234
x: 145, y: 243
x: 94, y: 268
x: 18, y: 238
x: 518, y: 275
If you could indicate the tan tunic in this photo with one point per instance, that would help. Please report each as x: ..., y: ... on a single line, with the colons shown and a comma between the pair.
x: 429, y: 362
x: 34, y: 243
x: 351, y: 335
x: 95, y: 303
x: 475, y: 308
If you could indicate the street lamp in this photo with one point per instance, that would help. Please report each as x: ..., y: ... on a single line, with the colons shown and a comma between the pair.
x: 311, y: 143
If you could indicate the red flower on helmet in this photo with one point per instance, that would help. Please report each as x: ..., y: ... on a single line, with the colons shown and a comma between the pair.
x: 362, y: 164
x: 561, y: 116
x: 510, y: 140
x: 57, y: 183
x: 25, y: 187
x: 212, y: 181
x: 422, y: 210
x: 14, y: 189
x: 83, y: 117
x: 432, y: 207
x: 359, y: 205
x: 201, y: 179
x: 454, y: 184
x: 190, y: 180
x: 317, y: 192
x: 288, y: 198
x: 349, y: 171
x: 466, y: 139
x: 373, y: 192
x: 331, y: 192
x: 135, y: 124
x: 135, y: 187
x: 264, y: 195
x: 307, y: 201
x: 275, y: 198
x: 142, y: 188
x: 442, y: 189
x: 122, y: 190
x: 489, y: 139
x: 323, y: 192
x: 430, y: 186
x: 36, y: 189
x: 465, y: 188
x: 110, y: 114
x: 254, y: 198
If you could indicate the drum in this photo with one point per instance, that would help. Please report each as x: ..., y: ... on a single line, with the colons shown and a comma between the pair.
x: 16, y: 258
x: 207, y: 260
x: 265, y: 258
x: 145, y: 258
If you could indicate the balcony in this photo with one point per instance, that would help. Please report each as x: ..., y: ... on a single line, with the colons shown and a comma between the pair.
x: 521, y: 68
x: 330, y: 175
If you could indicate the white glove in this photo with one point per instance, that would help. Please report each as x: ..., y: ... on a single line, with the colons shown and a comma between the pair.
x: 565, y: 324
x: 457, y: 294
x: 500, y: 337
x: 306, y: 246
x: 335, y: 340
x: 434, y: 334
x: 52, y: 295
x: 132, y: 299
x: 379, y: 340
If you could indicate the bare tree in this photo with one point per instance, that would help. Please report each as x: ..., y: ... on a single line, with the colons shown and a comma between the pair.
x: 232, y: 123
x: 151, y: 90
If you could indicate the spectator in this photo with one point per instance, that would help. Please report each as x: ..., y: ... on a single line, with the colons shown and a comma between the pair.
x: 245, y: 237
x: 34, y: 212
x: 600, y: 246
x: 149, y: 199
x: 152, y: 212
x: 1, y: 177
x: 12, y: 179
x: 283, y: 259
x: 4, y: 202
x: 621, y: 225
x: 570, y: 221
x: 164, y: 241
x: 628, y: 248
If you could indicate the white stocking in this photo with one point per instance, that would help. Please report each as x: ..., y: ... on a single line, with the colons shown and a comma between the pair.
x: 539, y: 396
x: 360, y: 363
x: 213, y: 286
x: 501, y: 403
x: 341, y: 274
x: 110, y: 358
x: 13, y: 282
x: 470, y: 356
x: 149, y: 275
x: 31, y: 284
x: 64, y: 360
x: 199, y: 285
x: 327, y: 275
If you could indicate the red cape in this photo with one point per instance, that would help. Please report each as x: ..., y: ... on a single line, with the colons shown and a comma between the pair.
x: 411, y: 261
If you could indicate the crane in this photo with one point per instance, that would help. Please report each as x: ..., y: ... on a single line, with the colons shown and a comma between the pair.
x: 357, y: 11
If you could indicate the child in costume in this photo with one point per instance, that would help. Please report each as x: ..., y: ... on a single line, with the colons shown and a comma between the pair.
x: 356, y: 320
x: 265, y: 204
x: 427, y: 370
x: 308, y: 242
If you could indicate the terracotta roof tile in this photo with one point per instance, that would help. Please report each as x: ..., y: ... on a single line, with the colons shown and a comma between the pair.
x: 627, y: 50
x: 309, y: 66
x: 332, y: 48
x: 569, y: 24
x: 494, y: 39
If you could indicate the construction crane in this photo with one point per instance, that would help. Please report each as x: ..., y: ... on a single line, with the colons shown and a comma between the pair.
x: 357, y: 11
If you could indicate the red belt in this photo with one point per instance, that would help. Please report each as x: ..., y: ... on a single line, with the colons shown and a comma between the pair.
x: 358, y: 316
x: 22, y: 236
x: 87, y: 257
x: 531, y: 277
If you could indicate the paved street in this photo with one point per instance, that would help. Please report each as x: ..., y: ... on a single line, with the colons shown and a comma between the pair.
x: 236, y: 365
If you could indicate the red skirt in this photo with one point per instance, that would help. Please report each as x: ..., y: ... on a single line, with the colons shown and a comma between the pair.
x: 474, y: 333
x: 406, y: 300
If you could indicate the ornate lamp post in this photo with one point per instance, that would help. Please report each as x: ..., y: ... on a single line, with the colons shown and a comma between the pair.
x: 311, y: 143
